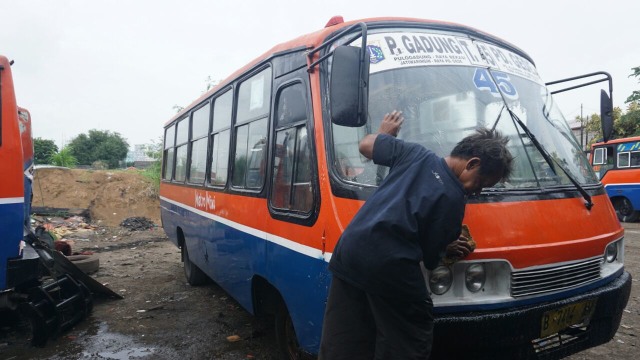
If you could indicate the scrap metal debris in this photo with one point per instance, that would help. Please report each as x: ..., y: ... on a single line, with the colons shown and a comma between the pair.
x: 137, y: 223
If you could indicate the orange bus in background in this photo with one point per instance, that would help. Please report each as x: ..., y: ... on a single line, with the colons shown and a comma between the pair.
x: 617, y: 164
x: 24, y: 122
x: 262, y: 174
x: 50, y: 300
x: 13, y: 214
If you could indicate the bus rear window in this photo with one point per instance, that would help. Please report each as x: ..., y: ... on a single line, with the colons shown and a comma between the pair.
x: 599, y: 156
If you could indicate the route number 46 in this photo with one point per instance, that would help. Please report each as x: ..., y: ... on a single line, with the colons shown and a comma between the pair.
x: 482, y: 80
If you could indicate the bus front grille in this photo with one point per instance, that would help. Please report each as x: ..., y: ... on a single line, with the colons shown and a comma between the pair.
x: 555, y: 278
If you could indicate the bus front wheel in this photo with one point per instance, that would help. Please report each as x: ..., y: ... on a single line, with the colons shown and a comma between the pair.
x: 286, y: 335
x: 625, y: 210
x: 194, y: 275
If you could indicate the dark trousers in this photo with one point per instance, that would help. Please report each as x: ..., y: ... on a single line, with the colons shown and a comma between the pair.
x: 359, y: 325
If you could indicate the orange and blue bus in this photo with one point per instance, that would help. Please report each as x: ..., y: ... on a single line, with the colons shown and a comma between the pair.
x: 49, y: 299
x: 262, y: 173
x: 14, y: 267
x: 617, y: 164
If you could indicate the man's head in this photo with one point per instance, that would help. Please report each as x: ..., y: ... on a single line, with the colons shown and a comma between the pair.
x: 482, y: 160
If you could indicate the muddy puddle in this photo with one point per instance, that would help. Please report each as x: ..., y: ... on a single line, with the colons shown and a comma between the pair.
x: 91, y: 339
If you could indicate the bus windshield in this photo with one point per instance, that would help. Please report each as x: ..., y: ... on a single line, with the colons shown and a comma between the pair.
x: 442, y: 102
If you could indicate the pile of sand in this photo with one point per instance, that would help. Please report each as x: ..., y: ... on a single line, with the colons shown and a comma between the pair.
x: 110, y: 195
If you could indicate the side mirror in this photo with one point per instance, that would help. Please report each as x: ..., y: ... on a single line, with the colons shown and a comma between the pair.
x: 349, y: 86
x: 606, y: 115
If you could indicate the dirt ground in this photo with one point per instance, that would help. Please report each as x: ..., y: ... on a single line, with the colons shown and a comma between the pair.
x: 110, y: 196
x: 161, y: 316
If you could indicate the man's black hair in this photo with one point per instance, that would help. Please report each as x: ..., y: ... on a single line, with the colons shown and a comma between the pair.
x: 491, y: 147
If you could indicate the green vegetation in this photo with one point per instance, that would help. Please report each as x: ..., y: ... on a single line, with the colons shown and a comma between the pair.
x: 153, y: 172
x: 99, y: 145
x: 63, y: 158
x: 42, y: 150
x: 635, y: 96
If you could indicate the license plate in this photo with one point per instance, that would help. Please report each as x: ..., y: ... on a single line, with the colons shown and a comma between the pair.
x: 554, y: 321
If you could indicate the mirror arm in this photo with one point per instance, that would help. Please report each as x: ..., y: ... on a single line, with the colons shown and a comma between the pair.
x: 330, y: 40
x: 607, y: 77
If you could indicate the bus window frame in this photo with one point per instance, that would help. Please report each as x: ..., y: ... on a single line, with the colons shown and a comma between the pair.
x: 165, y: 149
x: 628, y: 153
x: 191, y: 141
x: 213, y: 132
x: 235, y: 125
x: 291, y: 215
x: 630, y: 156
x: 177, y: 145
x: 631, y: 153
x: 603, y: 155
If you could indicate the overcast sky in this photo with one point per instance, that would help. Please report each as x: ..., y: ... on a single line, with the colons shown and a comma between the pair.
x: 122, y: 65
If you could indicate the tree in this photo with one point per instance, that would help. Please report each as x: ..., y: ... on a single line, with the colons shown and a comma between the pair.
x: 99, y: 145
x: 42, y: 150
x: 64, y: 158
x: 635, y: 95
x: 629, y: 123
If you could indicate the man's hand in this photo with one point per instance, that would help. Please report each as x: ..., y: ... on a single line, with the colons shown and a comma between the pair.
x: 460, y: 248
x: 391, y: 123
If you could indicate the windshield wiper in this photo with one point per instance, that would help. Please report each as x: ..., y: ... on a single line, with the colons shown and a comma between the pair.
x: 495, y: 124
x: 548, y: 158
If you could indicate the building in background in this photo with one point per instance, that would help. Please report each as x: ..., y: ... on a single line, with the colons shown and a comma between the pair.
x: 583, y: 136
x: 139, y: 156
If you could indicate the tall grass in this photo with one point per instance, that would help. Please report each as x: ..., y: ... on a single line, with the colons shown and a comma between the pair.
x: 63, y: 158
x: 153, y: 174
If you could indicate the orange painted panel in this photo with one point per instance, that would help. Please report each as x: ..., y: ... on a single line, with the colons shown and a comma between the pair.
x: 11, y: 181
x: 622, y: 176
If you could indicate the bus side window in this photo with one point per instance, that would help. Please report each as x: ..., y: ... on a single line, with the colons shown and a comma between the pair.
x: 198, y: 144
x: 169, y: 152
x: 291, y: 182
x: 220, y: 138
x: 623, y: 159
x: 253, y: 107
x: 635, y: 159
x: 182, y: 140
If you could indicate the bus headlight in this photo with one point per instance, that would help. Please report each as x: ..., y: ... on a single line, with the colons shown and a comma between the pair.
x: 474, y: 277
x: 611, y: 252
x: 440, y: 280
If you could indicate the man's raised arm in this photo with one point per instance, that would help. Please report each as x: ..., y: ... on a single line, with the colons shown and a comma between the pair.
x: 390, y: 125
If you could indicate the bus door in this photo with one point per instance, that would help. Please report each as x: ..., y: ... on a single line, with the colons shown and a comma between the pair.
x: 295, y: 265
x: 603, y: 160
x: 291, y: 189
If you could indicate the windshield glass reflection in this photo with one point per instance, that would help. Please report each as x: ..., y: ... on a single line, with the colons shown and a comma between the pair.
x: 443, y: 104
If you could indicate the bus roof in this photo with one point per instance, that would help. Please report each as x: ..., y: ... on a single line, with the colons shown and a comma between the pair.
x: 314, y: 39
x: 617, y: 141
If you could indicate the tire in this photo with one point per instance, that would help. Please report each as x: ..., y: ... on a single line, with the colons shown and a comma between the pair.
x: 194, y: 275
x: 286, y: 336
x: 624, y: 210
x: 87, y: 263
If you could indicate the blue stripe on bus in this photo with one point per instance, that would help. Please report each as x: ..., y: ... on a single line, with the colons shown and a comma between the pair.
x: 233, y: 257
x: 630, y: 191
x: 11, y: 230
